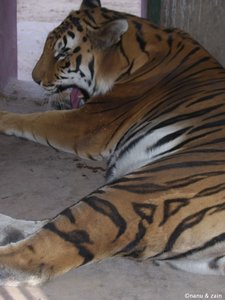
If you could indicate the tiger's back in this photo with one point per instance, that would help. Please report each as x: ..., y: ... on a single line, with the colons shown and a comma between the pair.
x: 154, y: 108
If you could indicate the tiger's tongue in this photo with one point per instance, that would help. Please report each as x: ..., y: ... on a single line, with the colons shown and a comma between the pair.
x: 75, y: 98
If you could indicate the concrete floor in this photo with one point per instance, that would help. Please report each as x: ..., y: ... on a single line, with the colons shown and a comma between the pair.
x: 37, y: 182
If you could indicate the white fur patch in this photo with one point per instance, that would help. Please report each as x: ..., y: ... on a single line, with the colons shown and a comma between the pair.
x: 196, y: 266
x: 137, y: 156
x: 18, y: 229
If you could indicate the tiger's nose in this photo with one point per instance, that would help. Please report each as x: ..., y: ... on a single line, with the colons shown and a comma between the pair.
x: 37, y: 81
x: 35, y: 77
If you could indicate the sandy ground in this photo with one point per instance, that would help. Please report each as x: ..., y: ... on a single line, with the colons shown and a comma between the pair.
x: 36, y: 182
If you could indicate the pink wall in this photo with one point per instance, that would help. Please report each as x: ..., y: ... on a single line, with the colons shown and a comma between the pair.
x: 144, y: 8
x: 8, y: 41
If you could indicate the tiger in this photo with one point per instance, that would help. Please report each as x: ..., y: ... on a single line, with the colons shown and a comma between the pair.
x: 150, y: 101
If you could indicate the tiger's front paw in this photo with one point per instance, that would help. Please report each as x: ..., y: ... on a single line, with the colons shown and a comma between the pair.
x: 10, y: 123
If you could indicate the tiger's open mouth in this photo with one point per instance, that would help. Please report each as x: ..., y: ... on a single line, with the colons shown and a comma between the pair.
x: 78, y: 96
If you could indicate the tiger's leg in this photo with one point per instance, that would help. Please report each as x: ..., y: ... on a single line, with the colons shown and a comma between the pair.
x: 70, y: 131
x: 154, y: 213
x: 93, y: 229
x: 135, y: 216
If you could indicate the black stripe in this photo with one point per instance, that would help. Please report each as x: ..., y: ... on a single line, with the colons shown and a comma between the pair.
x: 137, y: 253
x: 137, y: 25
x: 76, y: 23
x: 90, y: 24
x: 199, y: 62
x: 211, y: 191
x: 123, y: 52
x: 213, y: 264
x: 187, y: 223
x: 113, y: 107
x: 215, y: 141
x: 78, y: 62
x: 206, y: 98
x: 202, y: 150
x: 141, y: 188
x: 158, y: 37
x: 206, y: 82
x: 133, y: 130
x: 180, y: 48
x: 221, y: 114
x: 170, y: 44
x: 118, y: 127
x: 185, y: 59
x: 129, y: 179
x: 127, y: 72
x: 91, y: 66
x: 208, y: 125
x: 211, y: 243
x: 83, y: 75
x: 190, y: 222
x: 51, y: 145
x: 175, y: 74
x: 107, y: 17
x: 141, y: 42
x: 138, y: 237
x: 108, y: 209
x: 144, y: 188
x: 218, y: 208
x: 139, y: 37
x: 189, y: 55
x: 67, y: 65
x: 65, y: 41
x: 77, y: 49
x: 90, y: 17
x: 165, y: 123
x: 186, y: 87
x: 184, y: 117
x: 77, y: 238
x: 168, y: 138
x: 68, y: 213
x: 71, y: 34
x: 184, y: 165
x: 145, y: 210
x: 198, y: 176
x: 170, y: 210
x: 185, y: 142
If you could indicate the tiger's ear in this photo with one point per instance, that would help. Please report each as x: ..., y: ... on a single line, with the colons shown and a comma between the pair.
x: 109, y: 34
x: 90, y: 4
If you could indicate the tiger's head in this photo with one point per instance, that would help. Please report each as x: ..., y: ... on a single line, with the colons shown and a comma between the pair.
x: 83, y: 52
